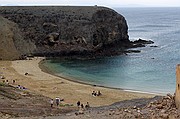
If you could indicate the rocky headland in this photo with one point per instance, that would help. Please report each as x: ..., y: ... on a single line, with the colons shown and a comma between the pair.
x: 63, y: 31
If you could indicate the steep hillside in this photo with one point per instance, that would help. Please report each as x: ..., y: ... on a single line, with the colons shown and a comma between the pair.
x: 7, y: 35
x: 67, y: 30
x: 12, y: 44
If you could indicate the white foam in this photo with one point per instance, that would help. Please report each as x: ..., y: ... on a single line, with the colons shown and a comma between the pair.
x: 153, y: 93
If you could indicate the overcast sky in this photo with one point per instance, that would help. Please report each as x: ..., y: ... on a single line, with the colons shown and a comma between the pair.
x: 109, y: 3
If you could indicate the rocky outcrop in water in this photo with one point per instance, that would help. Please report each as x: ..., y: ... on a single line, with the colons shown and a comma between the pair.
x: 68, y: 30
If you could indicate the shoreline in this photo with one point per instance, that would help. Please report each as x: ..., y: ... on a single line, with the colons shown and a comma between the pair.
x: 52, y: 86
x: 46, y: 70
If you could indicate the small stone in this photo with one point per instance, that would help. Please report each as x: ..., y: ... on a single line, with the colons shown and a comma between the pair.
x: 136, y: 116
x: 68, y: 114
x: 169, y: 96
x: 134, y: 107
x: 126, y: 110
x: 113, y: 112
x: 163, y: 111
x: 76, y: 113
x: 149, y: 105
x: 159, y: 106
x: 150, y: 110
x: 164, y: 103
x: 88, y: 116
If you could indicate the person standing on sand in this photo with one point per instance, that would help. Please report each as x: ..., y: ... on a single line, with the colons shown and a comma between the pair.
x: 51, y: 101
x: 87, y: 105
x: 82, y: 106
x: 13, y: 81
x: 99, y: 93
x: 81, y: 109
x: 78, y: 103
x: 57, y: 101
x: 7, y: 82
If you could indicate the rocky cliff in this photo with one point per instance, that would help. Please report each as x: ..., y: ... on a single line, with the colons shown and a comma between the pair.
x: 58, y: 30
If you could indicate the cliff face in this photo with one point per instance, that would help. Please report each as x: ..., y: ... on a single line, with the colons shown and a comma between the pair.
x: 68, y: 30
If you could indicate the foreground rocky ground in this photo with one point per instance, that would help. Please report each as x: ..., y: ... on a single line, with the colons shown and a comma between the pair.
x: 16, y: 102
x: 22, y: 104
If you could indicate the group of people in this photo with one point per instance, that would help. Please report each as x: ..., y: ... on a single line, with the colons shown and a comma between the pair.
x: 21, y: 87
x: 96, y: 93
x: 57, y: 101
x: 82, y: 106
x: 7, y: 81
x: 13, y: 82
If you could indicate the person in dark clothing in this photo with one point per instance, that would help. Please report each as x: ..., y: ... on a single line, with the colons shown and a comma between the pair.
x: 82, y: 106
x: 51, y: 102
x: 78, y: 103
x: 57, y: 101
x: 87, y: 105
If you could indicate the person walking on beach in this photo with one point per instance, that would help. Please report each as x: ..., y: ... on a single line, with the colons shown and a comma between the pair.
x: 81, y: 109
x: 78, y: 103
x: 57, y: 101
x: 51, y: 101
x: 87, y: 105
x: 93, y: 93
x: 82, y: 106
x: 7, y: 82
x: 13, y: 81
x: 99, y: 93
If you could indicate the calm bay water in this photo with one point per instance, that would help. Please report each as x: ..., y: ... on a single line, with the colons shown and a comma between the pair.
x: 152, y: 70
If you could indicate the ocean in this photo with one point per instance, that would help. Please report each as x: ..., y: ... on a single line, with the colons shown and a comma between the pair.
x: 152, y: 70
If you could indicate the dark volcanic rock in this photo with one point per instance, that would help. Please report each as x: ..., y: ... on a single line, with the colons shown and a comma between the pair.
x: 140, y: 43
x: 68, y: 30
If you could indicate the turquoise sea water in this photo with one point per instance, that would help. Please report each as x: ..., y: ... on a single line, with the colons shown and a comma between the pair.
x: 152, y: 70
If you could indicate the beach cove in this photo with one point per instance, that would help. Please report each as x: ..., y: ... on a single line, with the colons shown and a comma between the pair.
x: 52, y: 86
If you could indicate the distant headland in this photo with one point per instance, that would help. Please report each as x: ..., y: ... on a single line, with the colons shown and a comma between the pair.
x: 62, y: 31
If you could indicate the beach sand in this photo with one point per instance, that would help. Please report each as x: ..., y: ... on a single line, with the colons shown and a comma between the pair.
x: 52, y: 86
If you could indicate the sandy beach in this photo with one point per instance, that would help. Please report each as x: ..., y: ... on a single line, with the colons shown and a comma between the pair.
x: 52, y: 86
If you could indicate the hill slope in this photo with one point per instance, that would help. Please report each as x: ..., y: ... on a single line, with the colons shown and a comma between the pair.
x: 12, y: 44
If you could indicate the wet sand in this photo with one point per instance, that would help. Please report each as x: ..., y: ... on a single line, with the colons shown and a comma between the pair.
x: 52, y: 86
